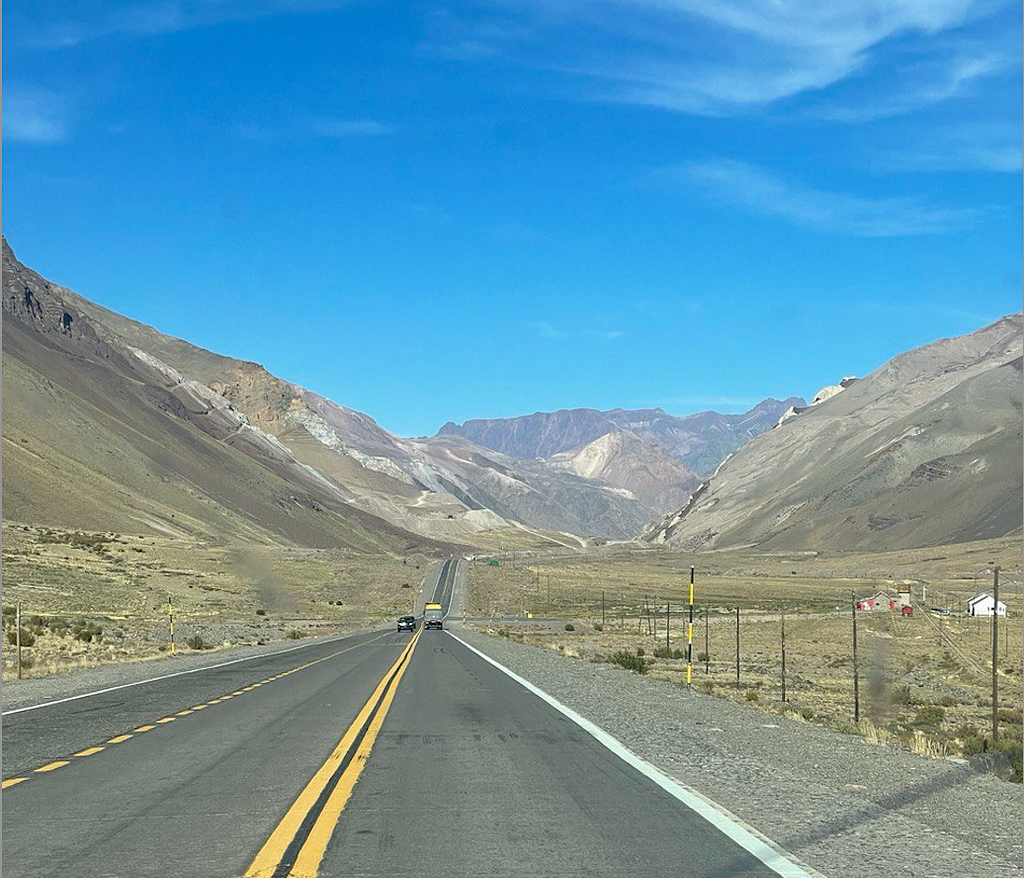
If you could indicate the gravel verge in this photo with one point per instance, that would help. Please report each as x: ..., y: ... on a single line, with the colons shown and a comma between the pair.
x: 841, y: 805
x: 22, y: 693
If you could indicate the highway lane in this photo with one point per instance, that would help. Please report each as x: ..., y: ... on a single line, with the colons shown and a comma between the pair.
x: 473, y: 776
x: 192, y: 797
x: 376, y: 755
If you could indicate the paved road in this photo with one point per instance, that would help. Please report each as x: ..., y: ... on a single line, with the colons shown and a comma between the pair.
x: 374, y: 755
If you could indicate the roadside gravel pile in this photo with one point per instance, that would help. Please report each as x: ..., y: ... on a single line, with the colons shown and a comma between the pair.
x: 843, y: 806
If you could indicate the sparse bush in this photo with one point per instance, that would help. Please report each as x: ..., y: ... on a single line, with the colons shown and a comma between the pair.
x: 807, y: 713
x: 196, y: 642
x: 640, y: 651
x: 751, y: 695
x: 261, y: 612
x: 669, y: 653
x: 1010, y: 716
x: 630, y: 661
x: 902, y: 695
x: 930, y: 717
x: 569, y: 626
x: 702, y: 656
x: 295, y: 634
x: 27, y: 637
x: 598, y: 627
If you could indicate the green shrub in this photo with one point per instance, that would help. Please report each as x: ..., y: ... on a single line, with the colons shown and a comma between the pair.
x: 569, y: 626
x: 669, y: 653
x: 630, y: 661
x: 598, y: 627
x: 27, y: 637
x: 261, y: 612
x: 807, y: 713
x: 295, y: 634
x: 1010, y: 716
x: 929, y: 717
x: 751, y: 695
x: 196, y: 642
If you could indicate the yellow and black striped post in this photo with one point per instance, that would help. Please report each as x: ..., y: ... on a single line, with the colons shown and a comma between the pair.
x: 170, y: 625
x: 689, y: 635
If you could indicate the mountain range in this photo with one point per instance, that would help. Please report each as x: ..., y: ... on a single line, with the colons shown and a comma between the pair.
x: 111, y: 425
x: 926, y: 450
x: 132, y: 418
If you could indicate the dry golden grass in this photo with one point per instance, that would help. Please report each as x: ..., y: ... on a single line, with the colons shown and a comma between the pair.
x: 225, y: 594
x: 924, y: 681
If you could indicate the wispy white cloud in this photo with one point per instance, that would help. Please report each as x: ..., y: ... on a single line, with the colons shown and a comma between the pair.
x: 112, y: 18
x: 967, y: 146
x: 34, y: 115
x: 716, y: 58
x: 752, y: 189
x: 349, y: 128
x: 312, y: 128
x: 612, y: 334
x: 923, y: 84
x: 544, y: 329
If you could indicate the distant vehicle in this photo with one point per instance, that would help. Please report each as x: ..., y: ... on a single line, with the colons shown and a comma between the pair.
x: 941, y: 611
x: 407, y: 623
x: 432, y: 616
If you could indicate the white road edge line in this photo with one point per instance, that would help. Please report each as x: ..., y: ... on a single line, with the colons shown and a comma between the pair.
x: 248, y: 658
x: 724, y: 821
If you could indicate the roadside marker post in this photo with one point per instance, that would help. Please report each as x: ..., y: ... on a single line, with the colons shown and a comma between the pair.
x: 668, y: 627
x: 707, y: 645
x: 995, y: 653
x: 737, y: 647
x: 17, y: 628
x: 170, y: 625
x: 856, y: 673
x: 783, y: 654
x: 689, y: 635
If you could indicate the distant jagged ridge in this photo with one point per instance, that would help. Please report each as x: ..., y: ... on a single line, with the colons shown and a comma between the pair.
x: 700, y: 441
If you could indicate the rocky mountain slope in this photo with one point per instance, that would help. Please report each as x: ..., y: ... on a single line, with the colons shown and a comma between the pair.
x: 101, y: 435
x: 437, y: 488
x: 636, y: 466
x: 926, y: 450
x: 700, y: 441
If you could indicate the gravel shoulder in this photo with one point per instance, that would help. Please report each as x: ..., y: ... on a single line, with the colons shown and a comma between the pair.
x: 841, y: 805
x: 37, y: 690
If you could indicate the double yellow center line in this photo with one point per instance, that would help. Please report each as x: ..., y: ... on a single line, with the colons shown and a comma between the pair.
x: 296, y: 846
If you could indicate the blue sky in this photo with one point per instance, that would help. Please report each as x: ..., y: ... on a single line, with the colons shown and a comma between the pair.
x: 443, y: 211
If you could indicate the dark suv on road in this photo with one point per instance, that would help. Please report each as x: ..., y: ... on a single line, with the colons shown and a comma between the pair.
x: 407, y: 623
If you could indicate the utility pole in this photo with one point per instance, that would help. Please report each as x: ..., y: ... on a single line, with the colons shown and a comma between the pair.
x: 17, y: 620
x: 856, y: 676
x: 737, y: 646
x: 995, y: 653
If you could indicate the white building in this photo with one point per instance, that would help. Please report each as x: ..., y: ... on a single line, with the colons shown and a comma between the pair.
x: 981, y: 605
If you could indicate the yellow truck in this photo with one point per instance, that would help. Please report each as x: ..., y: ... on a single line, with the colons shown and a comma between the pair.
x: 433, y: 614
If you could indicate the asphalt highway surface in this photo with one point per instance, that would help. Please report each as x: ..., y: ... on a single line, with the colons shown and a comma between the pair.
x: 379, y: 754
